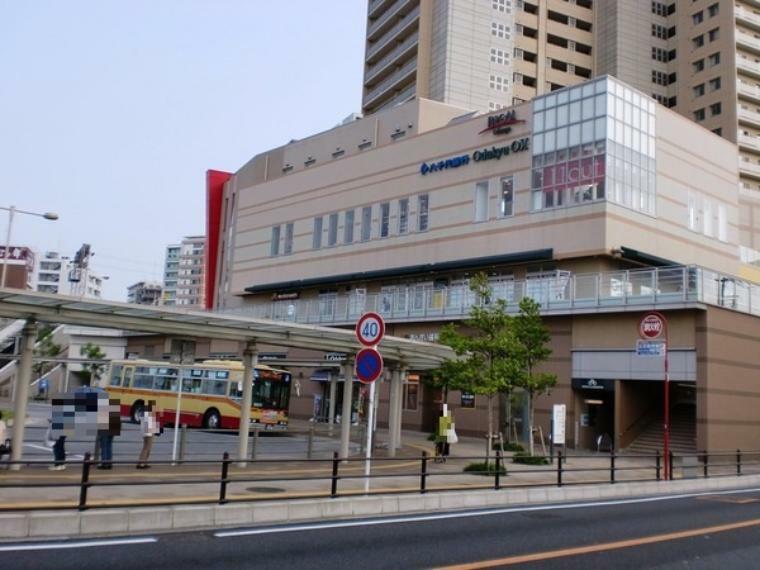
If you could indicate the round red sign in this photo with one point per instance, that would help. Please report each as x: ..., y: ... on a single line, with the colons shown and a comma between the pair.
x: 651, y: 326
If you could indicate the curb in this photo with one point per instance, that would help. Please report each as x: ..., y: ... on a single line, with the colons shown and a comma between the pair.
x: 133, y: 521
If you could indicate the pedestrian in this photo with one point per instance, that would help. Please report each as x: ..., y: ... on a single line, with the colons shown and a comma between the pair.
x: 57, y: 441
x: 5, y: 443
x: 149, y: 427
x: 107, y: 433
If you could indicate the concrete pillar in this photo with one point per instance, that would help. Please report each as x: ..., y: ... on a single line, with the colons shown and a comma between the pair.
x: 250, y: 358
x: 399, y: 407
x: 393, y: 410
x: 345, y: 417
x: 333, y: 394
x: 21, y: 392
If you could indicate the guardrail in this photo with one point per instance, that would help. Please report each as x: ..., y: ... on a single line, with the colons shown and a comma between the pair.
x: 338, y: 473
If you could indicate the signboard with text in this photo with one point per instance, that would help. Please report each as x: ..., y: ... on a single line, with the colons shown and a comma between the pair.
x: 650, y: 348
x: 559, y: 413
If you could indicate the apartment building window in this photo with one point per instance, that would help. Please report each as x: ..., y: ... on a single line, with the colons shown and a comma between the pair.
x: 660, y: 77
x: 659, y: 31
x: 699, y: 115
x: 713, y: 34
x: 403, y: 216
x: 712, y: 10
x: 287, y: 247
x: 366, y: 223
x: 698, y: 65
x: 385, y: 219
x: 718, y: 131
x: 422, y: 212
x: 481, y: 201
x: 698, y: 41
x: 507, y: 196
x: 500, y: 5
x: 714, y: 83
x: 660, y: 9
x: 714, y: 59
x: 692, y: 211
x: 697, y: 18
x: 498, y: 83
x: 500, y: 30
x: 698, y: 90
x: 659, y: 54
x: 316, y: 240
x: 348, y: 226
x: 716, y: 109
x: 722, y: 223
x: 274, y: 246
x: 707, y: 215
x: 499, y: 56
x: 332, y: 229
x: 492, y: 106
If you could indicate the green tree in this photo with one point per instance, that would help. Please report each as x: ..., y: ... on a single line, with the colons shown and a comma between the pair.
x: 45, y: 348
x: 532, y: 339
x: 485, y: 364
x: 92, y: 352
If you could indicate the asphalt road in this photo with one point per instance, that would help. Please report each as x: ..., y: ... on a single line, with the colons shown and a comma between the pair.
x: 710, y: 531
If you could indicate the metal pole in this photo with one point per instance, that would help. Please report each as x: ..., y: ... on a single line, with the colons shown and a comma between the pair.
x: 345, y: 417
x: 178, y: 406
x: 310, y: 443
x: 393, y: 411
x: 21, y: 392
x: 11, y: 211
x: 84, y: 482
x: 666, y: 430
x: 250, y: 357
x: 368, y: 447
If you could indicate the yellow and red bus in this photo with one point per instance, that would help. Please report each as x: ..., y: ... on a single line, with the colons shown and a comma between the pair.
x: 211, y: 392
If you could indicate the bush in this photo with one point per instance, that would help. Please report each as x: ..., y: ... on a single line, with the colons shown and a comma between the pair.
x: 432, y: 437
x: 484, y: 469
x: 508, y: 447
x: 526, y: 459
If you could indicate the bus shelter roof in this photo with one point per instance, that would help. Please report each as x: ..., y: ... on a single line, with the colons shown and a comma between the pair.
x: 53, y: 308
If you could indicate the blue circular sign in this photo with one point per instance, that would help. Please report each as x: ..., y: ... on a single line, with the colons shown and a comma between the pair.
x: 369, y: 365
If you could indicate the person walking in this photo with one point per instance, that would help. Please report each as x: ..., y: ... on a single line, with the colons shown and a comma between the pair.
x: 148, y: 427
x: 55, y: 439
x: 105, y: 436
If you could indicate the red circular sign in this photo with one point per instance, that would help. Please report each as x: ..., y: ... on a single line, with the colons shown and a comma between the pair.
x: 370, y: 329
x: 369, y: 365
x: 651, y: 326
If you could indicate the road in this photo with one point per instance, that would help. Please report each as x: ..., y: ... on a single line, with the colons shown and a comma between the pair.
x: 705, y: 531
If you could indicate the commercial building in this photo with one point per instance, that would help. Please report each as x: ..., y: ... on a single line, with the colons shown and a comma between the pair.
x: 53, y: 274
x: 593, y: 200
x: 184, y: 273
x: 144, y: 293
x: 18, y: 266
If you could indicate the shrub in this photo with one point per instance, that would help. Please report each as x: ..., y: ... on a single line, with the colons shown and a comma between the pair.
x: 484, y: 469
x: 511, y: 446
x: 526, y: 459
x: 432, y: 437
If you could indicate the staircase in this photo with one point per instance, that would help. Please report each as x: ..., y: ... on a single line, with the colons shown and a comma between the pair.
x: 683, y: 433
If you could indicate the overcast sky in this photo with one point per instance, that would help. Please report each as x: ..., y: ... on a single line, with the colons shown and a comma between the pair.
x: 112, y: 111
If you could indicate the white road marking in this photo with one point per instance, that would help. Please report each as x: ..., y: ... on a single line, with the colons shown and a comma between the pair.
x: 469, y: 514
x: 50, y: 449
x: 82, y: 544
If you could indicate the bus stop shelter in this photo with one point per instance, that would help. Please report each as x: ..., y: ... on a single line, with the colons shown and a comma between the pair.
x: 36, y: 307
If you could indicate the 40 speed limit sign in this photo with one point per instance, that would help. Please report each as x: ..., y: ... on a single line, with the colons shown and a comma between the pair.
x: 370, y: 329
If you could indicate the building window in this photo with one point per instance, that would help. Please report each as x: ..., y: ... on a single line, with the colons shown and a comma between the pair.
x: 287, y: 248
x: 713, y: 34
x: 410, y: 396
x: 499, y: 56
x: 699, y: 115
x: 403, y: 216
x: 659, y: 8
x: 385, y: 219
x: 316, y: 241
x: 712, y: 10
x: 698, y: 41
x: 698, y: 90
x: 714, y: 58
x: 707, y: 216
x: 366, y: 223
x: 507, y: 196
x: 692, y: 204
x: 659, y: 31
x: 718, y: 131
x: 698, y: 65
x: 422, y: 212
x: 498, y: 83
x: 500, y: 5
x: 715, y: 109
x: 722, y: 223
x: 481, y: 201
x: 274, y: 246
x: 697, y: 18
x: 348, y: 227
x: 714, y: 84
x: 500, y: 30
x: 332, y: 229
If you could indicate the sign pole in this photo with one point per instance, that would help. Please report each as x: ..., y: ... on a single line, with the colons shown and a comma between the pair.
x: 652, y: 326
x: 666, y: 430
x: 177, y: 414
x: 368, y: 447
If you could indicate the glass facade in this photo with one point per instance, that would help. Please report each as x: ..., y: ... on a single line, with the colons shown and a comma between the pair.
x: 594, y: 142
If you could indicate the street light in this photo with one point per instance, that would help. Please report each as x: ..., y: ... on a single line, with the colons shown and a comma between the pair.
x: 11, y: 212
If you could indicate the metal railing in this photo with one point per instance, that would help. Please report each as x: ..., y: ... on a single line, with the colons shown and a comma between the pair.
x: 561, y: 293
x: 338, y: 476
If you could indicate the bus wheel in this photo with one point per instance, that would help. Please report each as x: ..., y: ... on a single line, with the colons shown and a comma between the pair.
x: 212, y: 419
x: 137, y: 411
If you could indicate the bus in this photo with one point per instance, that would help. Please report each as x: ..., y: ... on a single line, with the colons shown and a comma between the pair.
x: 211, y: 392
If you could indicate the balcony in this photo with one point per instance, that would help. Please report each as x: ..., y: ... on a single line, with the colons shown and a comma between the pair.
x: 634, y: 290
x: 377, y: 7
x: 749, y: 91
x: 387, y: 62
x: 387, y: 40
x: 749, y: 142
x: 402, y: 97
x: 749, y: 116
x: 748, y: 66
x: 746, y: 17
x: 401, y: 75
x: 749, y: 169
x: 384, y: 22
x: 748, y: 41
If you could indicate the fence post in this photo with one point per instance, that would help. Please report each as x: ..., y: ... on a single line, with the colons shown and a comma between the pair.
x: 84, y: 483
x: 738, y: 462
x: 423, y: 472
x: 254, y: 442
x: 705, y: 456
x: 223, y: 484
x: 612, y: 466
x: 497, y: 474
x: 182, y: 441
x: 559, y: 468
x: 670, y: 465
x: 310, y: 442
x: 657, y: 463
x: 334, y: 482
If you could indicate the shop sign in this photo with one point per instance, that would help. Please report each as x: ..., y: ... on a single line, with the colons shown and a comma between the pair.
x: 650, y: 348
x: 501, y: 124
x: 272, y: 355
x: 467, y: 400
x: 335, y: 356
x: 285, y: 296
x: 454, y: 162
x: 423, y: 337
x: 591, y: 384
x: 493, y: 153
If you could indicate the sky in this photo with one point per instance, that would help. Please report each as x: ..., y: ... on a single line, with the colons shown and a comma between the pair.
x: 111, y: 111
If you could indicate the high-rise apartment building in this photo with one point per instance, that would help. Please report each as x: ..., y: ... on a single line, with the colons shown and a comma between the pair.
x: 144, y: 293
x: 184, y: 271
x: 53, y: 273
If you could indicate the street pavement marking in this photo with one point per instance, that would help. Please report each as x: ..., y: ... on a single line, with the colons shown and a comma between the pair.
x: 732, y: 500
x: 81, y: 544
x: 470, y: 514
x: 605, y: 547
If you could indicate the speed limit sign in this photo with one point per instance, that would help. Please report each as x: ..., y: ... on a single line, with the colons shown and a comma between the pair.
x: 370, y: 329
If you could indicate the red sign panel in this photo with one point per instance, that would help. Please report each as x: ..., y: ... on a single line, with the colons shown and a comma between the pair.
x: 370, y: 329
x: 651, y: 326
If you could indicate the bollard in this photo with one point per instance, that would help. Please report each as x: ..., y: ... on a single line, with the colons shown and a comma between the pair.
x: 254, y: 442
x: 738, y: 462
x: 497, y: 474
x: 310, y: 443
x: 706, y: 461
x: 612, y: 466
x: 559, y: 468
x: 182, y: 441
x: 334, y: 483
x: 85, y: 481
x: 223, y: 483
x: 423, y: 472
x: 669, y: 470
x: 657, y: 464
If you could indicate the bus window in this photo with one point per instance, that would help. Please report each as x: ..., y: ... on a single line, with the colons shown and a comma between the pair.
x: 191, y: 385
x: 214, y: 387
x: 143, y: 377
x: 166, y: 379
x: 116, y: 370
x: 128, y: 373
x: 236, y: 390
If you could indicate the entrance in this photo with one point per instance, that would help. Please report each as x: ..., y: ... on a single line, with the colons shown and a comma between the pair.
x: 596, y: 401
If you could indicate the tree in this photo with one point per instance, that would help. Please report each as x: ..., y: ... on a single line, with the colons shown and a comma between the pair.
x: 45, y: 348
x: 485, y: 363
x: 92, y: 352
x: 532, y: 337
